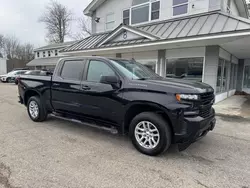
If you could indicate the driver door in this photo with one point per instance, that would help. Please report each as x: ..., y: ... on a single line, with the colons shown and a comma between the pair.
x: 100, y: 100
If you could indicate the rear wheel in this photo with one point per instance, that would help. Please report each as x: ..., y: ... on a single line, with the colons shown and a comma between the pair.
x: 150, y: 133
x: 36, y: 109
x: 8, y: 80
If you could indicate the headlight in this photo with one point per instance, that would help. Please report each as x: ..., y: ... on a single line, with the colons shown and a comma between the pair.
x: 180, y: 97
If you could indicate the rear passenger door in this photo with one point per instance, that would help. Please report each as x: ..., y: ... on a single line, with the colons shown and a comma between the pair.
x: 65, y: 89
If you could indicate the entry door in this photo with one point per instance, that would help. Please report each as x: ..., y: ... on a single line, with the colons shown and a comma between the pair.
x: 100, y: 100
x: 65, y: 89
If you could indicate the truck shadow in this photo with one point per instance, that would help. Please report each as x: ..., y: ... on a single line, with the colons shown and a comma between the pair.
x: 100, y: 135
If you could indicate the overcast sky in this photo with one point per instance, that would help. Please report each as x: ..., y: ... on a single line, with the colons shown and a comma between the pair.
x: 20, y: 18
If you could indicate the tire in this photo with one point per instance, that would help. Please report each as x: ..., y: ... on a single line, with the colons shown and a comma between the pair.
x: 42, y: 112
x: 8, y: 80
x: 155, y: 121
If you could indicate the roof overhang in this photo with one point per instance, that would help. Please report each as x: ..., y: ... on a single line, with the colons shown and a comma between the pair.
x: 217, y: 39
x: 94, y: 4
x: 44, y: 62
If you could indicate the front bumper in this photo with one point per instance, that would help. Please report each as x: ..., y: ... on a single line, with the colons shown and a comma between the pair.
x: 3, y: 79
x: 194, y: 129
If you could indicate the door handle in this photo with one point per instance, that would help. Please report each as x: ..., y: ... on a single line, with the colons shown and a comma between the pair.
x: 85, y: 88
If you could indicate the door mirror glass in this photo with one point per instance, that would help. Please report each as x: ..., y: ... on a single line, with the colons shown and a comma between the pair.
x: 113, y: 80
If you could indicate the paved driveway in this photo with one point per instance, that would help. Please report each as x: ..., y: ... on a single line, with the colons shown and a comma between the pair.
x: 63, y: 154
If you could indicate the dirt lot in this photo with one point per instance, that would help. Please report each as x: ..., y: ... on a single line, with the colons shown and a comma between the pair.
x: 63, y: 154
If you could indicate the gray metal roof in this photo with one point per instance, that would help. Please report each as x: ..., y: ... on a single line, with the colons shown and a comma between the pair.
x: 44, y: 61
x: 126, y: 42
x: 57, y: 45
x: 190, y: 26
x: 197, y: 25
x: 87, y: 43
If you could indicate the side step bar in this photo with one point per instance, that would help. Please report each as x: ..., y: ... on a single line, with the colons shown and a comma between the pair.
x: 112, y: 130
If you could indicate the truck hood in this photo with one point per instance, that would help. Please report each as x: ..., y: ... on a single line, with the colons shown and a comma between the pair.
x: 170, y: 85
x: 3, y: 75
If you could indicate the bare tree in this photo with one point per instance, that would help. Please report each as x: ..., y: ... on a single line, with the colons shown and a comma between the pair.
x: 25, y: 52
x: 10, y: 46
x: 57, y: 19
x: 84, y: 25
x: 1, y: 45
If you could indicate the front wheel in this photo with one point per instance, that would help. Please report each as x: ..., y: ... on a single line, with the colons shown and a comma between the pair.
x: 8, y: 80
x: 36, y: 109
x: 150, y: 133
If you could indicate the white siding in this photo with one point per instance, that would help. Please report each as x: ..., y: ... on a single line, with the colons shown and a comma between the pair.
x: 234, y: 9
x: 214, y: 5
x: 185, y: 52
x: 52, y: 53
x: 225, y: 55
x: 166, y: 11
x: 141, y: 55
x: 111, y: 6
x: 3, y: 66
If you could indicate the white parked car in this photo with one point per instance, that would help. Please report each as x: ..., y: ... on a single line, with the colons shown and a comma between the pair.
x: 10, y: 77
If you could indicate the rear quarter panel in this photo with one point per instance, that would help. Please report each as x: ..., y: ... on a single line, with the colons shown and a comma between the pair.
x: 39, y: 84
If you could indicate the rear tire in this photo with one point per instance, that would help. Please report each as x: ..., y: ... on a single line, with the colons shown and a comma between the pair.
x: 155, y: 125
x: 8, y: 80
x: 36, y: 109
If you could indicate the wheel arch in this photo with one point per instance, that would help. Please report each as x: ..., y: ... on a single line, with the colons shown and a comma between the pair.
x: 30, y: 93
x: 138, y: 107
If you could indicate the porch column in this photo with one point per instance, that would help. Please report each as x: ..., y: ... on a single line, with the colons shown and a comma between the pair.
x: 161, y: 63
x: 229, y: 76
x: 240, y: 74
x: 211, y: 63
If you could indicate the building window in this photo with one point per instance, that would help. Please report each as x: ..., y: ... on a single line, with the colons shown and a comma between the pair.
x: 49, y: 53
x: 246, y: 83
x: 140, y: 14
x: 155, y: 10
x: 38, y: 54
x: 44, y: 54
x: 222, y: 78
x: 110, y: 21
x: 151, y: 64
x: 180, y: 7
x: 144, y: 11
x: 56, y: 53
x: 185, y: 68
x: 126, y: 17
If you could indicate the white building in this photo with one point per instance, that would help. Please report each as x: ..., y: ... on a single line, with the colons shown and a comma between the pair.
x: 203, y: 40
x: 46, y: 57
x: 3, y: 66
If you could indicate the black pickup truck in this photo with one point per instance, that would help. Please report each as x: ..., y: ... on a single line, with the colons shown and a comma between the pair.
x: 125, y: 95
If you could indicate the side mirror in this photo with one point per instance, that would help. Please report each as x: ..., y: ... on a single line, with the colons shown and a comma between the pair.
x: 113, y: 80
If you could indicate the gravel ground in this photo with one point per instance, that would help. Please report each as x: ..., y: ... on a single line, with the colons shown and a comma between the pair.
x: 58, y: 154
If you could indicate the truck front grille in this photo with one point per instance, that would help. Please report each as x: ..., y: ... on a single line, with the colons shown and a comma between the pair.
x: 207, y: 100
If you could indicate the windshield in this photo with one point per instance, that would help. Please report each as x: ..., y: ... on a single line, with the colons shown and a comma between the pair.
x: 133, y: 70
x: 12, y: 73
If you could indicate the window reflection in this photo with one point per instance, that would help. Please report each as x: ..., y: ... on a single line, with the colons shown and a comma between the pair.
x: 185, y: 68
